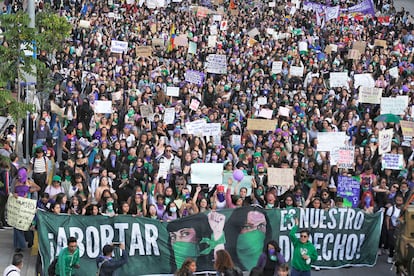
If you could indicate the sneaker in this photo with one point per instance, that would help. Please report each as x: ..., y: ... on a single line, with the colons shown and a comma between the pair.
x: 2, y: 228
x: 390, y: 260
x: 379, y: 252
x: 317, y: 268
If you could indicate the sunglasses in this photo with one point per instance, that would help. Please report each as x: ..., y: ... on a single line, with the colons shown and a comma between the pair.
x: 395, y: 187
x: 303, y: 236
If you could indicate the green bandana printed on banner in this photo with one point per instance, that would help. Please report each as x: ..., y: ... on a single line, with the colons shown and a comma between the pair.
x: 342, y: 237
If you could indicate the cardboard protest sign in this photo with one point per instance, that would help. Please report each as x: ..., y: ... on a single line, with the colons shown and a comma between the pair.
x: 261, y: 124
x: 385, y: 140
x: 181, y: 40
x: 354, y: 54
x: 158, y: 42
x: 370, y: 95
x: 103, y: 107
x: 392, y: 161
x: 328, y: 141
x: 394, y: 105
x: 251, y: 42
x: 380, y: 43
x: 20, y: 212
x: 338, y: 79
x: 296, y: 71
x: 118, y: 47
x: 277, y: 67
x: 169, y: 116
x: 407, y: 128
x: 143, y: 51
x: 173, y: 91
x: 280, y: 177
x: 234, y: 12
x: 206, y: 173
x: 360, y: 46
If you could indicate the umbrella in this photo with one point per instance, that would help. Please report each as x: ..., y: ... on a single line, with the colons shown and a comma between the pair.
x: 388, y: 118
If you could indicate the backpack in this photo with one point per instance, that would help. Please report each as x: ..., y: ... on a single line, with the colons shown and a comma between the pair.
x: 52, y: 268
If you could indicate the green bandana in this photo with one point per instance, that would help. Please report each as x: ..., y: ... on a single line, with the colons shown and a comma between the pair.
x: 184, y: 250
x: 212, y: 243
x: 249, y: 248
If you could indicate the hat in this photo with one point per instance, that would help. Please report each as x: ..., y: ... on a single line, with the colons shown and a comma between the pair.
x: 57, y: 178
x: 257, y: 154
x: 39, y: 150
x: 320, y: 177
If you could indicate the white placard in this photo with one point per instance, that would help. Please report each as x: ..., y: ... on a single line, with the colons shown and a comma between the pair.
x: 396, y: 106
x: 212, y: 41
x: 284, y: 111
x: 217, y: 17
x: 262, y: 100
x: 86, y: 24
x: 277, y: 67
x: 119, y: 47
x: 173, y: 91
x: 394, y: 72
x: 370, y: 95
x: 212, y: 129
x: 338, y: 79
x: 265, y: 113
x: 253, y: 32
x: 385, y: 141
x: 216, y: 64
x: 104, y: 107
x: 364, y: 80
x: 195, y: 127
x: 169, y: 116
x: 303, y: 46
x: 207, y: 173
x: 392, y: 161
x: 213, y: 29
x: 328, y: 141
x: 296, y: 71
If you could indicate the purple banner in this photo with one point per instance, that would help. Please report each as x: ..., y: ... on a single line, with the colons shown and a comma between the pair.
x: 193, y: 76
x: 365, y: 7
x: 349, y: 189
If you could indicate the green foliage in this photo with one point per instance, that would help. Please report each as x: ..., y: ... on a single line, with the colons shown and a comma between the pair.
x: 10, y: 106
x: 52, y: 30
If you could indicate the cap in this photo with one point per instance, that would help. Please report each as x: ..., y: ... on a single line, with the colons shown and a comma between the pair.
x: 57, y: 178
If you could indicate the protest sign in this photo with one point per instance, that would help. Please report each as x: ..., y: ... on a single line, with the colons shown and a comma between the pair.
x: 234, y: 12
x: 173, y: 91
x: 192, y: 48
x: 169, y: 116
x: 277, y: 67
x: 211, y: 129
x: 217, y: 17
x: 206, y: 173
x: 265, y: 113
x: 380, y: 43
x: 364, y: 80
x: 394, y: 105
x: 118, y: 47
x: 342, y: 237
x: 407, y: 128
x: 360, y: 46
x: 261, y: 124
x: 303, y: 46
x: 181, y: 40
x: 328, y: 141
x: 385, y: 140
x: 262, y: 100
x: 346, y: 157
x: 195, y: 77
x: 103, y: 107
x: 272, y: 4
x: 280, y: 177
x: 284, y: 111
x: 354, y: 54
x: 235, y: 139
x: 194, y: 104
x: 253, y: 32
x: 251, y: 42
x: 338, y: 79
x: 392, y: 161
x: 195, y: 127
x: 212, y: 41
x: 370, y: 95
x: 394, y: 72
x: 158, y: 42
x: 86, y: 24
x: 216, y: 64
x: 223, y: 25
x: 213, y: 29
x: 116, y: 96
x: 146, y: 111
x: 202, y: 11
x: 163, y: 170
x: 296, y: 71
x: 143, y: 51
x: 20, y: 212
x: 349, y: 189
x: 246, y: 182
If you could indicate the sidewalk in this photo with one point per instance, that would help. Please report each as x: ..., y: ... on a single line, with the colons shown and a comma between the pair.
x: 6, y: 254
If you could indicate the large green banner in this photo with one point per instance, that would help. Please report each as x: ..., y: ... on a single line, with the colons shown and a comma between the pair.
x: 342, y: 236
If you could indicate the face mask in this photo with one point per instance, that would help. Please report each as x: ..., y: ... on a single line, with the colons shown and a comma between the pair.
x: 271, y: 251
x: 80, y: 156
x: 270, y: 205
x: 259, y: 192
x: 183, y: 250
x: 124, y: 176
x: 167, y: 200
x: 220, y: 197
x: 273, y: 258
x: 249, y: 247
x: 67, y: 178
x: 98, y: 161
x: 173, y: 209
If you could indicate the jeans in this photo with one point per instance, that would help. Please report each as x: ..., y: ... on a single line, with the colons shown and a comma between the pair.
x: 19, y: 240
x: 295, y: 272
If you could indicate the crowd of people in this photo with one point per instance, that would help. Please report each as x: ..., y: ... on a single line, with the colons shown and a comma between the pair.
x: 88, y: 163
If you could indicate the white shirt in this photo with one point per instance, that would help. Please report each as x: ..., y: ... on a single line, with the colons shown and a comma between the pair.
x: 11, y: 270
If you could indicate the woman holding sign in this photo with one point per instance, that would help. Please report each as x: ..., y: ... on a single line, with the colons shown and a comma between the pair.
x: 23, y: 187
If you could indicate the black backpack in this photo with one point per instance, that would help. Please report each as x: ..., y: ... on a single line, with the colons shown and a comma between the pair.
x: 52, y: 268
